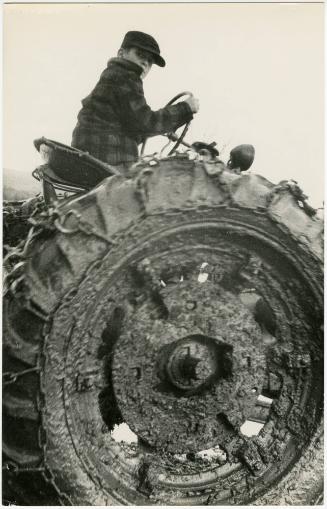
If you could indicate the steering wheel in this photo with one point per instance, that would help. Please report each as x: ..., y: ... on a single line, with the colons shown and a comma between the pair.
x: 173, y: 135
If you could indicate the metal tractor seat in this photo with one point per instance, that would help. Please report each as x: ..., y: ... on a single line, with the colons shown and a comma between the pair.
x: 68, y: 169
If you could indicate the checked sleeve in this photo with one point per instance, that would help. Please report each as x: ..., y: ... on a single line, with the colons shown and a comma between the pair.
x: 139, y: 119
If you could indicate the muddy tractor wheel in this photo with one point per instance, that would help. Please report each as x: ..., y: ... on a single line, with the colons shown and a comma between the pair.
x: 164, y: 346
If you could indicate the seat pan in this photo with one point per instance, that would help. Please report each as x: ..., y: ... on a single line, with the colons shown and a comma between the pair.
x: 46, y: 173
x: 72, y: 166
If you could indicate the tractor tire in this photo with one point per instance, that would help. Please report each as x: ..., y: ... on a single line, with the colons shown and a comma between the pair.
x: 182, y: 303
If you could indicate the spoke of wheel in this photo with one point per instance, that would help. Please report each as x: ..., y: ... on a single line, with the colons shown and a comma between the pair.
x: 150, y: 284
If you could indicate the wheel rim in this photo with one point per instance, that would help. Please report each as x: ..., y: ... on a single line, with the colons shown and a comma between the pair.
x: 266, y: 345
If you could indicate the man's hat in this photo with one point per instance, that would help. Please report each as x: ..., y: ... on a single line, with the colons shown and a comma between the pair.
x: 146, y: 42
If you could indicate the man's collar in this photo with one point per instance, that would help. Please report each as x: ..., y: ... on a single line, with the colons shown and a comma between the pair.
x: 126, y: 64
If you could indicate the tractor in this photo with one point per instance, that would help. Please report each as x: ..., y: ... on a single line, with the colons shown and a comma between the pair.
x: 162, y: 334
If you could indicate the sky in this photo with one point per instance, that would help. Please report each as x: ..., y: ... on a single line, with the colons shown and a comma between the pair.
x: 257, y: 70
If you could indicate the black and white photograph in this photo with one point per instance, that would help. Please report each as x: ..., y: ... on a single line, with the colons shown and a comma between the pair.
x: 163, y: 278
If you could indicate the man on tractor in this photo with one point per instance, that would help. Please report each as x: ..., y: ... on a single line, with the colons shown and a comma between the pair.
x: 115, y: 117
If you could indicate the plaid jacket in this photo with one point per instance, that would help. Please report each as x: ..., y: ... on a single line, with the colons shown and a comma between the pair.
x: 115, y: 117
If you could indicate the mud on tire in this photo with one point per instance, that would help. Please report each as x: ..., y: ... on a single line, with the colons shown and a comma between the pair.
x: 183, y: 257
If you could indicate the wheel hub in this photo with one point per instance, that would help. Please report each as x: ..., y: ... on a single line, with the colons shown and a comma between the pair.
x: 195, y: 362
x: 194, y: 374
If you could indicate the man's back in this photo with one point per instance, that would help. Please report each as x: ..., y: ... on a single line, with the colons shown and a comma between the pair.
x: 103, y: 124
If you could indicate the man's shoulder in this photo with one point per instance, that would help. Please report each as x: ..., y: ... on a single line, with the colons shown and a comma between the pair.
x: 119, y: 69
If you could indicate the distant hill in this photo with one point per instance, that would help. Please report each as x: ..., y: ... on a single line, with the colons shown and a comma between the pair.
x: 18, y: 185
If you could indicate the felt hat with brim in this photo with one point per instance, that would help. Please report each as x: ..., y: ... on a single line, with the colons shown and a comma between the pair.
x: 146, y: 42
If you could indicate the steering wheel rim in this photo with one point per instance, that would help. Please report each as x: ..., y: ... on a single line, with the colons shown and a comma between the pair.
x: 186, y: 125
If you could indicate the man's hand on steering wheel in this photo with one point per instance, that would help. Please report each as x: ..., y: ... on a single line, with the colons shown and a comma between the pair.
x: 194, y: 105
